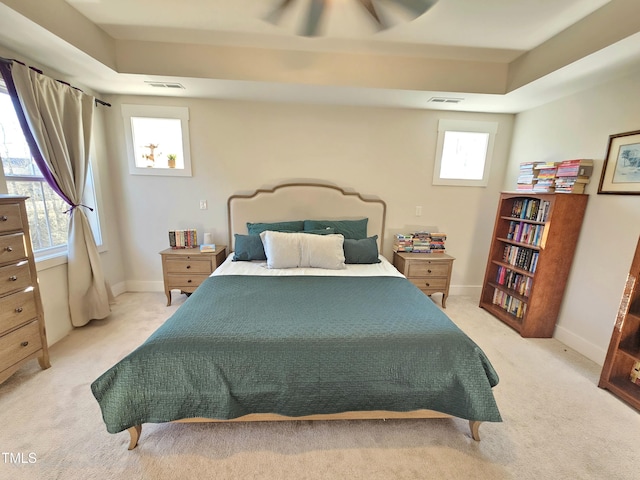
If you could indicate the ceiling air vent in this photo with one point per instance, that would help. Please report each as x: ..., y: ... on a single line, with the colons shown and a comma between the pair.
x: 165, y: 84
x: 445, y: 100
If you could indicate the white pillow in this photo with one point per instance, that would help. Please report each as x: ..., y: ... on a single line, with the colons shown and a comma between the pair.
x: 290, y: 250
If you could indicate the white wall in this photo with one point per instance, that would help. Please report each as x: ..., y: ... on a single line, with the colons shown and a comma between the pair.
x: 240, y: 146
x: 579, y: 127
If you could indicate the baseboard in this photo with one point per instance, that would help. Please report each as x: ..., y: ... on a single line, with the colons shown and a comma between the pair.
x: 580, y: 345
x: 144, y: 286
x: 118, y: 288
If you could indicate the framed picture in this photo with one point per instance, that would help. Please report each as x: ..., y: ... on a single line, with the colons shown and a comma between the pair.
x: 621, y: 170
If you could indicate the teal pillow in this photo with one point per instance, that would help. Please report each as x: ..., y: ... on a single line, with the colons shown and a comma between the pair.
x: 247, y: 248
x: 355, y: 229
x: 292, y: 226
x: 361, y: 251
x: 322, y: 231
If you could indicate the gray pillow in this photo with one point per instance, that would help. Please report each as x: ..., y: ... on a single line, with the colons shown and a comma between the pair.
x: 361, y: 251
x: 356, y: 229
x: 247, y: 248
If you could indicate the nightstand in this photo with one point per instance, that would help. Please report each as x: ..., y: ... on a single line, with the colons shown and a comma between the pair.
x: 186, y: 268
x: 430, y: 272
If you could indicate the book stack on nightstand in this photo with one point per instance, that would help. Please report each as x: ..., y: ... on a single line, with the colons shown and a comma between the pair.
x: 420, y: 242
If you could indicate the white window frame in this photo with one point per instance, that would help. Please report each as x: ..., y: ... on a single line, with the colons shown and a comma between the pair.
x: 157, y: 112
x: 472, y: 126
x: 53, y: 256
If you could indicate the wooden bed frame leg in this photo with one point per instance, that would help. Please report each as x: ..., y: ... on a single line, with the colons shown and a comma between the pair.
x: 134, y: 433
x: 474, y: 425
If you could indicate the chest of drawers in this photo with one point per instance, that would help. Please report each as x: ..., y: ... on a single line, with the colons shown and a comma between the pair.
x: 22, y: 330
x: 185, y: 269
x: 430, y: 272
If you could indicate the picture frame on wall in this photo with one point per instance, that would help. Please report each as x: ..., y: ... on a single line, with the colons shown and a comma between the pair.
x: 621, y: 169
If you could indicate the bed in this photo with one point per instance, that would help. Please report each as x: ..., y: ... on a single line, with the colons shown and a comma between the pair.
x: 317, y: 340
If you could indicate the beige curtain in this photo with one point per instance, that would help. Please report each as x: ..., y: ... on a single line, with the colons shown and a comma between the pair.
x: 60, y: 119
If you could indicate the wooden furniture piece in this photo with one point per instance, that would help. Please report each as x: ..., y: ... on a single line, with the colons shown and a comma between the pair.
x: 624, y: 348
x: 430, y: 272
x: 22, y: 329
x: 185, y: 268
x: 530, y: 258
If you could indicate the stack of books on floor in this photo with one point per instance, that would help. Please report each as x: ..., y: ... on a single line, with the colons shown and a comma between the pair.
x: 573, y: 175
x: 183, y: 238
x: 545, y: 179
x: 420, y: 242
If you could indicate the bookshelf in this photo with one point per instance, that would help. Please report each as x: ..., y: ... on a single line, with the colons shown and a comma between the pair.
x: 624, y: 348
x: 532, y: 249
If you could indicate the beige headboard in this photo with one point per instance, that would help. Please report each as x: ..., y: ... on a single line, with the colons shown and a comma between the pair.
x: 304, y: 201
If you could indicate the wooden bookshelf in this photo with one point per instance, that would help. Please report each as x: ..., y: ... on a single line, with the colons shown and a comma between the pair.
x: 530, y: 258
x: 624, y: 348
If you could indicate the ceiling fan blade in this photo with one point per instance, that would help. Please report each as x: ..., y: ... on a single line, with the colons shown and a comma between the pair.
x: 416, y: 7
x: 316, y: 9
x: 274, y: 15
x: 380, y: 21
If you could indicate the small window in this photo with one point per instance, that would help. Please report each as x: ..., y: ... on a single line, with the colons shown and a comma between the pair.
x: 157, y: 140
x: 463, y: 152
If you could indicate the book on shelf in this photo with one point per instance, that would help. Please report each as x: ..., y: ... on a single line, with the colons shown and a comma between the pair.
x: 208, y: 248
x: 635, y: 373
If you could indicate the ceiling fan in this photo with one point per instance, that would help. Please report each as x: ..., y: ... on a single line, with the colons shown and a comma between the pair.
x: 317, y: 9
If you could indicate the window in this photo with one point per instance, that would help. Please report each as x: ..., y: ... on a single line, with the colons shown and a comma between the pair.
x: 463, y: 152
x: 157, y: 140
x: 48, y: 222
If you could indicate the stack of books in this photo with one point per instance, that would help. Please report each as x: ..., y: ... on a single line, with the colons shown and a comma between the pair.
x: 527, y: 177
x: 573, y: 175
x: 420, y: 242
x: 545, y: 179
x: 183, y: 238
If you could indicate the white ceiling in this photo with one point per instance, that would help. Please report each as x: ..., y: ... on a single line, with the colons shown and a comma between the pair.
x: 496, y: 55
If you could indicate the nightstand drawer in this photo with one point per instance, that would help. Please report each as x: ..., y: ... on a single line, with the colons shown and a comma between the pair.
x: 188, y: 265
x: 12, y: 248
x: 430, y: 283
x: 16, y: 309
x: 19, y: 344
x: 14, y: 277
x: 178, y: 281
x: 428, y: 269
x: 10, y: 218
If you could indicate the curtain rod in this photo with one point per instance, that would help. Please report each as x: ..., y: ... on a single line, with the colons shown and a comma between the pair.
x: 9, y: 60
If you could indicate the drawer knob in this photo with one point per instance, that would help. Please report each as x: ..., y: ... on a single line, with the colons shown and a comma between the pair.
x: 24, y: 344
x: 19, y: 310
x: 4, y: 218
x: 427, y: 284
x: 13, y: 278
x: 9, y: 249
x: 428, y: 271
x: 188, y: 266
x: 189, y: 281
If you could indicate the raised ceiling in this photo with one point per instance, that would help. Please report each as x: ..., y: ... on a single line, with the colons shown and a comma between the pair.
x: 493, y: 55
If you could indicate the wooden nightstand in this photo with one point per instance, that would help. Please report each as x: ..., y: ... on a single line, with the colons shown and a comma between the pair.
x: 430, y: 272
x: 186, y: 268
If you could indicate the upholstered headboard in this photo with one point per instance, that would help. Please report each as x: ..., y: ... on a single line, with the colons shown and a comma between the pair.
x: 304, y: 201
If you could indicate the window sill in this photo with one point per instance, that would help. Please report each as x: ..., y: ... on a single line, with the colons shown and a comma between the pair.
x: 53, y: 260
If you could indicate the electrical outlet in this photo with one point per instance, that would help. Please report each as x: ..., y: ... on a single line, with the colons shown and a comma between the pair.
x: 418, y: 211
x: 203, y: 204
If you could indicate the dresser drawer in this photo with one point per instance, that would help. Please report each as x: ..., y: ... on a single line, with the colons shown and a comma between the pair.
x: 429, y: 268
x: 16, y: 309
x: 12, y: 247
x: 185, y: 281
x: 436, y: 284
x: 19, y: 344
x: 10, y: 217
x: 188, y: 265
x: 14, y: 277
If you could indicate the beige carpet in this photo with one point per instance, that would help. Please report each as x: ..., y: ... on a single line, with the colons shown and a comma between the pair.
x: 557, y: 423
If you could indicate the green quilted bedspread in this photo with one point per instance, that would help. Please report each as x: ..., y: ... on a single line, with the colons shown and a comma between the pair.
x: 299, y: 346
